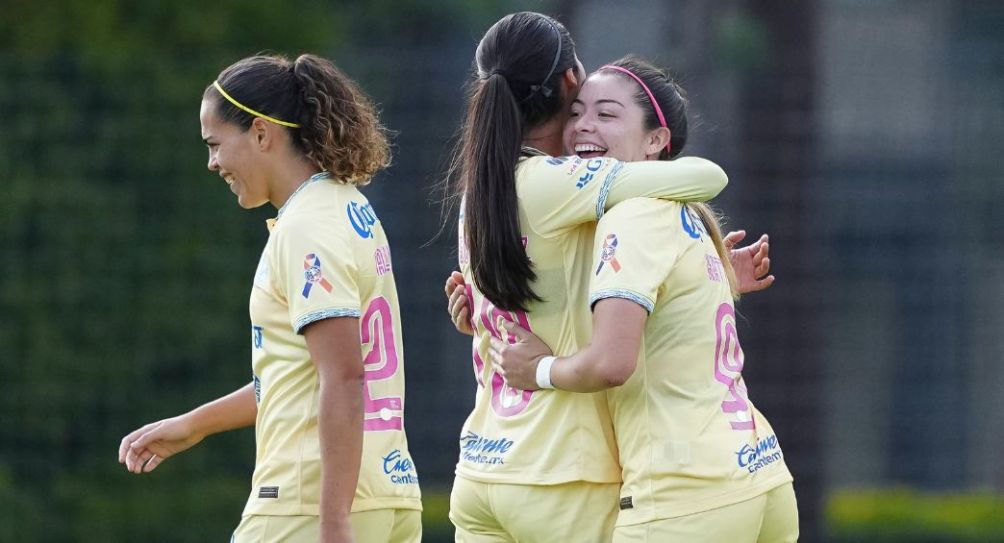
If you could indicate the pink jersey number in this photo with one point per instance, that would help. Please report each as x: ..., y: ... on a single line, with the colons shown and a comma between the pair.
x: 729, y: 367
x: 506, y: 401
x: 380, y: 363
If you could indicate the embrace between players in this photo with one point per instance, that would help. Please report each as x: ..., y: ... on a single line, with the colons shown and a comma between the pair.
x: 598, y: 290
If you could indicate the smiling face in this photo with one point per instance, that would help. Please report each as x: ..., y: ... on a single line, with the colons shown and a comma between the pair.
x: 605, y: 120
x: 233, y: 155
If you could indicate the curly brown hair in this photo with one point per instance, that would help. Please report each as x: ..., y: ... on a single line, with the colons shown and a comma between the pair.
x: 339, y: 128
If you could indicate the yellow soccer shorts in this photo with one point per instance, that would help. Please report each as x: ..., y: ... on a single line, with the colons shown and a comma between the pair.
x: 768, y: 518
x: 503, y: 513
x: 376, y: 526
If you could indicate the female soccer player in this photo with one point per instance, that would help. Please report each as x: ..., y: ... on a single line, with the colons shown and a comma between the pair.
x: 699, y: 462
x: 538, y: 467
x: 327, y: 399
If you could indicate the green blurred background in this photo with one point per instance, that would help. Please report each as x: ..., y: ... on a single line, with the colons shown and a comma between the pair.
x: 863, y: 136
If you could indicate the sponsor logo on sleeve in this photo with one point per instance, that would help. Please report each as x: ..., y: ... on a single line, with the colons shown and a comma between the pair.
x: 399, y: 468
x: 692, y: 224
x: 592, y: 167
x: 313, y: 275
x: 269, y: 492
x: 573, y: 164
x: 257, y: 336
x: 765, y: 452
x: 362, y: 218
x: 609, y: 254
x: 557, y: 160
x: 478, y: 449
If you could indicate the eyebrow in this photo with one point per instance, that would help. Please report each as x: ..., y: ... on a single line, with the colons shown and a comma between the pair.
x: 609, y: 101
x: 601, y: 101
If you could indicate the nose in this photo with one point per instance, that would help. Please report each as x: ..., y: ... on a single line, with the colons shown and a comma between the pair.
x: 213, y: 165
x: 584, y: 124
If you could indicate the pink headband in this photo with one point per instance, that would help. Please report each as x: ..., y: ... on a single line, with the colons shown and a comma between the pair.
x: 651, y: 97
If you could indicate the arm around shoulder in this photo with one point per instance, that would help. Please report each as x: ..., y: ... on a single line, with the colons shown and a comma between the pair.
x: 687, y: 179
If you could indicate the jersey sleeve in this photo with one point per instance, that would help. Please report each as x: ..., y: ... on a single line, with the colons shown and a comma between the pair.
x: 634, y: 251
x: 561, y: 192
x: 316, y: 270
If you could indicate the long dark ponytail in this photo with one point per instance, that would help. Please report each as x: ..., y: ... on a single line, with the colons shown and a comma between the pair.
x: 516, y: 85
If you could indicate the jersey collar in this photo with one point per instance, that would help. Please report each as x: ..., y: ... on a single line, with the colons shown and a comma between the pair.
x: 270, y: 223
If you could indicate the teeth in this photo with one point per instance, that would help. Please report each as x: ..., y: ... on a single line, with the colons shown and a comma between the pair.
x: 229, y: 180
x: 589, y: 148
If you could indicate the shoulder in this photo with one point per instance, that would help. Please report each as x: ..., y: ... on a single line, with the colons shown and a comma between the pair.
x: 643, y: 209
x: 322, y: 217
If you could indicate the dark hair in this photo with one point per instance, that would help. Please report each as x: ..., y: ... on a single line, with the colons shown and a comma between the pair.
x: 668, y: 93
x: 516, y: 86
x: 339, y: 130
x: 673, y: 102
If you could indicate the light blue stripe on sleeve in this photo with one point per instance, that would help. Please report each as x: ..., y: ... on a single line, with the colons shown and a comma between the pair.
x: 643, y: 301
x: 601, y: 201
x: 315, y: 316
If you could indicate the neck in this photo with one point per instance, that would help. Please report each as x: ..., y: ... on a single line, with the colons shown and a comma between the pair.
x: 288, y: 177
x: 547, y: 136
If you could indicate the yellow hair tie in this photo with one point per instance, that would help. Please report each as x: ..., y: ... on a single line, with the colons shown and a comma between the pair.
x: 251, y: 111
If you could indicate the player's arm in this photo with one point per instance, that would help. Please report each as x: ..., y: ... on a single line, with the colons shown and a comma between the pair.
x: 687, y: 179
x: 147, y: 447
x: 608, y: 361
x: 578, y: 191
x: 334, y: 348
x: 633, y: 252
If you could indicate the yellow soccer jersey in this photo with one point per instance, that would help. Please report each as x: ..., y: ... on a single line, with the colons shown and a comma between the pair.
x: 326, y: 256
x: 550, y: 437
x: 688, y: 436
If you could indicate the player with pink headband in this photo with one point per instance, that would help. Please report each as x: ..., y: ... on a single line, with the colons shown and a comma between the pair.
x: 699, y: 462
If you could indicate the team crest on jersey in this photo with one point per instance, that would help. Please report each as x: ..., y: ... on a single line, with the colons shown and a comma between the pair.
x: 362, y: 218
x: 609, y: 254
x: 313, y: 275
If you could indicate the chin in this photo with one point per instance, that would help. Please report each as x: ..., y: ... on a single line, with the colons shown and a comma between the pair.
x: 250, y: 204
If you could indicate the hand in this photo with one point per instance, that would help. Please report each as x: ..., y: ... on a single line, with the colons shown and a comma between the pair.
x: 516, y: 359
x: 145, y: 449
x: 751, y: 262
x: 459, y: 306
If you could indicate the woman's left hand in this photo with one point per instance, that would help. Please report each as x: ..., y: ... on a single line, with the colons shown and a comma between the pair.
x: 516, y: 360
x: 751, y: 262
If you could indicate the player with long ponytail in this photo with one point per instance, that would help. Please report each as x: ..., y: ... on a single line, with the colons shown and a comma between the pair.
x: 537, y: 466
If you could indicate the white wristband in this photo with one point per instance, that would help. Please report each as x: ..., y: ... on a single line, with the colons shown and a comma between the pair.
x: 544, y: 372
